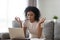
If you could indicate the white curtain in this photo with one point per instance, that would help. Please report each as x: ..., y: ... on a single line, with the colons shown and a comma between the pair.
x: 9, y: 9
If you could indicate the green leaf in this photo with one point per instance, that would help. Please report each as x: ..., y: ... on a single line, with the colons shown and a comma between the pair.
x: 55, y: 17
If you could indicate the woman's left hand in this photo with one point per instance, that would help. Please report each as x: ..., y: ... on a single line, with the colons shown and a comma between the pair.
x: 39, y: 28
x: 42, y: 20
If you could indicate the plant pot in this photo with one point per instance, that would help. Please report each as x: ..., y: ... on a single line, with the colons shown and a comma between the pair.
x: 54, y: 20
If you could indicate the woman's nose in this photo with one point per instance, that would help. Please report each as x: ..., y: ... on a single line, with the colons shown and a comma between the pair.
x: 29, y: 17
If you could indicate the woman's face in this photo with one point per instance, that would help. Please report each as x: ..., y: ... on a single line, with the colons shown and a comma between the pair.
x: 30, y: 16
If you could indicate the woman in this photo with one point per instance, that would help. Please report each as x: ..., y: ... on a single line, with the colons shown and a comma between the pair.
x: 32, y: 22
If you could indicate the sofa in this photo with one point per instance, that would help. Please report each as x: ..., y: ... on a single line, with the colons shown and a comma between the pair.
x: 48, y: 30
x: 57, y: 30
x: 51, y: 31
x: 6, y: 35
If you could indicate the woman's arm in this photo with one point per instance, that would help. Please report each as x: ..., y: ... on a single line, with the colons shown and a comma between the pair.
x: 20, y: 24
x: 19, y: 21
x: 39, y: 31
x: 39, y: 28
x: 24, y: 28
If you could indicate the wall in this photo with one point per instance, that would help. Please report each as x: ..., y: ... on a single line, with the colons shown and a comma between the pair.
x: 49, y: 8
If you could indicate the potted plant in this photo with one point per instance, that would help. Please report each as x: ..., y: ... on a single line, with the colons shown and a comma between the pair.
x: 55, y: 18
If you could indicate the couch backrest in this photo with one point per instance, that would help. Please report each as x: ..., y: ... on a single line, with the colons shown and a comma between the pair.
x: 57, y: 30
x: 49, y: 30
x: 15, y: 24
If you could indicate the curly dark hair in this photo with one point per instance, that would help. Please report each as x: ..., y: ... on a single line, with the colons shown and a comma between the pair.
x: 34, y: 10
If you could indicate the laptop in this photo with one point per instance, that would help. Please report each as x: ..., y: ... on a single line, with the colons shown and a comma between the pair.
x: 17, y: 33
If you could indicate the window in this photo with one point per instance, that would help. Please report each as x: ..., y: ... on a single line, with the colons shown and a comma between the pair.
x: 9, y: 9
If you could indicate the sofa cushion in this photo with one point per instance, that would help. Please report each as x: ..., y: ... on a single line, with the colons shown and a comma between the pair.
x: 5, y: 36
x: 15, y: 24
x: 57, y: 30
x: 49, y: 30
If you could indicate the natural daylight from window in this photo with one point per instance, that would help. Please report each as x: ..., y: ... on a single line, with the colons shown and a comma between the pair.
x: 9, y: 9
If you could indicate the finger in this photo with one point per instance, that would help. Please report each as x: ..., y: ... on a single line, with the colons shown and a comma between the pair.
x: 42, y: 20
x: 17, y: 19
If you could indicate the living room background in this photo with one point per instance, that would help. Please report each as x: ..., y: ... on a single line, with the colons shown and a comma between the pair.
x: 9, y: 9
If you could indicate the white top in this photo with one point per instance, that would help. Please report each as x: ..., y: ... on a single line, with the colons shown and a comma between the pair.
x: 32, y: 27
x: 37, y: 38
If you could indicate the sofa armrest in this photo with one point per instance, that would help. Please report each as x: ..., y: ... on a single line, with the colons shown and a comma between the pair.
x: 5, y: 36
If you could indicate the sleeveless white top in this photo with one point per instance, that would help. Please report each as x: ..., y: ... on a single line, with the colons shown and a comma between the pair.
x: 32, y: 28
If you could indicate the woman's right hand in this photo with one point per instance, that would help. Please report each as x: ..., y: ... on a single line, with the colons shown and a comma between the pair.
x: 19, y: 21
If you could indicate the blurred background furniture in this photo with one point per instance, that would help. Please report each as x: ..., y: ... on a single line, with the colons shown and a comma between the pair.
x: 51, y: 31
x: 57, y: 30
x: 48, y: 30
x: 5, y: 36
